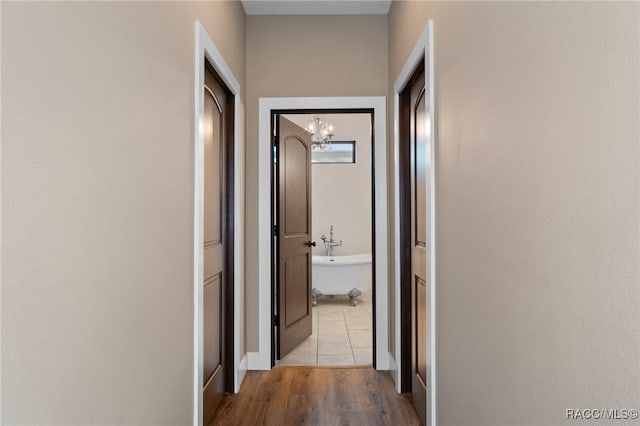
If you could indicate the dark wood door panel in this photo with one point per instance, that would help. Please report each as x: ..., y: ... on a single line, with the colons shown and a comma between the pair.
x: 212, y: 397
x: 295, y: 291
x: 420, y: 177
x: 295, y: 191
x: 421, y: 331
x: 212, y: 319
x: 217, y: 242
x: 414, y: 235
x: 213, y: 158
x: 213, y: 257
x: 294, y: 221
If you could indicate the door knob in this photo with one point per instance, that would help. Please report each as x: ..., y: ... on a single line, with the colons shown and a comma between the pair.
x: 310, y: 243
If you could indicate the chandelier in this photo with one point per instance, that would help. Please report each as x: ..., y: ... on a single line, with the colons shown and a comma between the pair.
x: 321, y: 133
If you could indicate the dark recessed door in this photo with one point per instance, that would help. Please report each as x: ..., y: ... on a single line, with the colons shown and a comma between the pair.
x: 294, y: 235
x: 217, y: 218
x: 417, y: 279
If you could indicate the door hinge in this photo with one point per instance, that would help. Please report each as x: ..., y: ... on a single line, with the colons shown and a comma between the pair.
x: 275, y: 230
x: 276, y: 320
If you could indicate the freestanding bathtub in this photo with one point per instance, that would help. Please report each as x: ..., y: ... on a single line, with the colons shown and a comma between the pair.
x: 341, y: 275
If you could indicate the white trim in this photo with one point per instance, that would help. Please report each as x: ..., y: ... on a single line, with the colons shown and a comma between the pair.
x: 261, y: 360
x: 204, y: 46
x: 255, y: 360
x: 393, y: 369
x: 423, y: 47
x: 241, y: 371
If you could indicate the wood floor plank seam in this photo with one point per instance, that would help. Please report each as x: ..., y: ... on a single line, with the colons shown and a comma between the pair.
x: 289, y: 396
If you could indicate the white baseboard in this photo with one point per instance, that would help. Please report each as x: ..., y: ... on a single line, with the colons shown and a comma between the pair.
x: 240, y: 373
x: 393, y: 369
x: 258, y: 361
x: 382, y: 359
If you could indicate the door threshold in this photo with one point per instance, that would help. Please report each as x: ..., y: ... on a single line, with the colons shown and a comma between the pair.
x: 327, y: 367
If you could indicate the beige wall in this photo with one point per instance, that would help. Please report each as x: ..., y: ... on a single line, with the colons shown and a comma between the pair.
x: 342, y: 192
x: 538, y: 214
x: 97, y: 219
x: 303, y: 56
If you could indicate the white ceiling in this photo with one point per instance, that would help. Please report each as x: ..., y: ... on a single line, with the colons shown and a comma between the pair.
x: 316, y: 7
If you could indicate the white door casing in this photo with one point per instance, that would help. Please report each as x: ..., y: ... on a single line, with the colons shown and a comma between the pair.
x: 422, y: 51
x: 261, y: 360
x: 205, y: 48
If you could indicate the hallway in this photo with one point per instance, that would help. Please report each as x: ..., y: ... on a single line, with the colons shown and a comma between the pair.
x: 317, y: 396
x: 529, y: 223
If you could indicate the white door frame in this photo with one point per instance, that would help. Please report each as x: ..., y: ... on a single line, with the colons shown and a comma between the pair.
x: 261, y: 360
x: 422, y: 49
x: 204, y: 47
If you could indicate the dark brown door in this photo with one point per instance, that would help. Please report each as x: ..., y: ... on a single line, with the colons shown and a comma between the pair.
x: 413, y: 240
x: 419, y: 251
x: 218, y: 230
x: 294, y: 235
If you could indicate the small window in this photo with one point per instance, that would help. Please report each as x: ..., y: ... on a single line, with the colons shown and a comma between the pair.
x: 338, y: 152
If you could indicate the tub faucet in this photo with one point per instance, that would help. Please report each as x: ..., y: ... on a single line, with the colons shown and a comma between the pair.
x: 330, y: 243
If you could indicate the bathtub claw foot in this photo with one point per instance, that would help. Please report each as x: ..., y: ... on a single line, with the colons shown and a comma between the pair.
x: 353, y: 295
x: 314, y: 296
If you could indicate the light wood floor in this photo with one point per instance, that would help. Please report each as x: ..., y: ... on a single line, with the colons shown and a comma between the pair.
x: 317, y: 396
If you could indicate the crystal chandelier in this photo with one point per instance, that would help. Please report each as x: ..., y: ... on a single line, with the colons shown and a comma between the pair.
x: 321, y: 133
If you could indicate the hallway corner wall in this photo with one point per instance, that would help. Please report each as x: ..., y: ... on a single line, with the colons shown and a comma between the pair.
x: 283, y: 60
x: 537, y: 216
x: 97, y: 207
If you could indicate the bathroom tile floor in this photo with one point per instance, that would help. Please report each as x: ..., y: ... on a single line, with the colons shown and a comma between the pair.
x: 342, y: 334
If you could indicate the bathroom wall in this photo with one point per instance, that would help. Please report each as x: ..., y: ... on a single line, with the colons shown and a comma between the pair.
x: 538, y: 219
x: 303, y: 56
x: 97, y: 207
x: 342, y: 192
